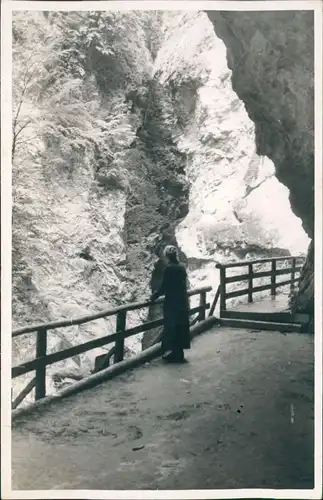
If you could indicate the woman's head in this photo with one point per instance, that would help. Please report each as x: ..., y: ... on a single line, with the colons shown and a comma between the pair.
x: 171, y: 253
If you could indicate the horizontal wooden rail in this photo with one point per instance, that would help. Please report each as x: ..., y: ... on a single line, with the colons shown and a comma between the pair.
x: 295, y: 265
x: 42, y: 359
x: 103, y: 314
x: 243, y: 263
x: 245, y: 291
x: 262, y: 274
x: 49, y: 359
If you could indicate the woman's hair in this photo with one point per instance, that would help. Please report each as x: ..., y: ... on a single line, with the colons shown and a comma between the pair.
x: 171, y: 253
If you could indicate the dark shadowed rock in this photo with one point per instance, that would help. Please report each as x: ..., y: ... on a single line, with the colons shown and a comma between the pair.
x: 271, y: 55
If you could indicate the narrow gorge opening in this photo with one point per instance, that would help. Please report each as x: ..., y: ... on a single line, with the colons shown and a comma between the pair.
x: 134, y: 131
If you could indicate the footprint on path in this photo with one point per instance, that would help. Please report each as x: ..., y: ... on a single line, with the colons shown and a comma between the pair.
x: 177, y: 415
x: 169, y: 467
x: 134, y: 432
x: 121, y: 413
x: 185, y: 412
x: 224, y: 406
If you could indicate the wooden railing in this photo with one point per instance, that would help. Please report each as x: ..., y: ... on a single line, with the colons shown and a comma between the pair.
x: 294, y: 268
x: 42, y: 359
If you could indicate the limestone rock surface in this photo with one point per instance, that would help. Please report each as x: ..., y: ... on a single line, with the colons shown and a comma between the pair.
x: 271, y: 55
x: 131, y: 135
x: 237, y: 206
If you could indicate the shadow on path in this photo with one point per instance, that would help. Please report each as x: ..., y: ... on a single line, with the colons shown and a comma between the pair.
x: 240, y: 414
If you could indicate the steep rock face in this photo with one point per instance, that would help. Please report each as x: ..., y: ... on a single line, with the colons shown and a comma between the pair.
x: 237, y: 207
x: 72, y: 130
x: 272, y: 61
x: 127, y: 138
x: 271, y: 55
x: 158, y: 199
x: 98, y: 183
x: 303, y: 299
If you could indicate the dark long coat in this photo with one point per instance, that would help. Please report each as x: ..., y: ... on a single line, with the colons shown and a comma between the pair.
x: 176, y: 307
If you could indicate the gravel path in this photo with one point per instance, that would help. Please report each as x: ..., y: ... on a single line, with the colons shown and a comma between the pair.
x: 239, y: 414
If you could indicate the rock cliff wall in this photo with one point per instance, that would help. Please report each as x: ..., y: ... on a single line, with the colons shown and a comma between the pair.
x: 128, y: 137
x: 271, y: 55
x: 98, y: 182
x: 70, y: 181
x: 237, y: 206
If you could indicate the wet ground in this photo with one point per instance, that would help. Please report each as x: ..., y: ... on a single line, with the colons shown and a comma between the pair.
x: 239, y: 414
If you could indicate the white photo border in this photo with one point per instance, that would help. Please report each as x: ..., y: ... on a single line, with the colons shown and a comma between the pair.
x: 7, y: 8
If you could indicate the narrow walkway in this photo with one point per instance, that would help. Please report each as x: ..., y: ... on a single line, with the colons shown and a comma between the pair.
x: 275, y: 304
x: 239, y: 414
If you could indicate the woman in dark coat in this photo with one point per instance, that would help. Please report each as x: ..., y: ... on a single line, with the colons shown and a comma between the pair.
x: 176, y: 336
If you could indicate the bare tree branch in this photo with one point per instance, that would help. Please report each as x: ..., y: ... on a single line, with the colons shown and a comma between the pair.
x: 27, y: 140
x: 22, y: 127
x: 28, y: 75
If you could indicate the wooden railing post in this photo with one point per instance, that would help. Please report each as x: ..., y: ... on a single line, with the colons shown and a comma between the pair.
x: 119, y: 345
x: 250, y: 282
x: 42, y: 359
x: 23, y: 394
x: 292, y: 276
x: 202, y: 314
x: 215, y: 301
x: 222, y: 289
x: 41, y: 348
x: 273, y: 278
